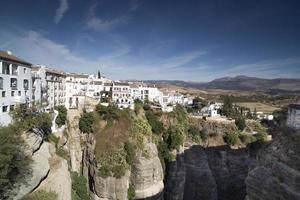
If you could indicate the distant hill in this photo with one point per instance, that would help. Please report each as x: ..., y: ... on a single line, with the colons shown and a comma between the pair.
x: 278, y: 85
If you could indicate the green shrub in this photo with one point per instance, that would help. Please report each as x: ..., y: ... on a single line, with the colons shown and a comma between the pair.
x: 79, y: 187
x: 156, y: 125
x: 109, y: 113
x: 240, y: 123
x: 86, y: 123
x: 204, y: 134
x: 131, y: 192
x: 62, y: 115
x: 247, y: 139
x: 130, y: 153
x: 175, y: 137
x: 231, y: 138
x: 163, y: 154
x: 62, y: 153
x: 14, y: 163
x: 194, y: 133
x: 113, y: 163
x: 41, y: 195
x: 261, y: 136
x: 29, y: 118
x: 52, y: 138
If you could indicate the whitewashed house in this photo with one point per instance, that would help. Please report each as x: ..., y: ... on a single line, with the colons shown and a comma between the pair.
x: 49, y: 87
x: 121, y: 95
x: 15, y: 84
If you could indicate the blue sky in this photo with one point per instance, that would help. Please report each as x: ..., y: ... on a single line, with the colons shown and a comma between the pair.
x: 157, y: 39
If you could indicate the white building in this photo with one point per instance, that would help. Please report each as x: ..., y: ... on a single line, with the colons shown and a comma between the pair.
x: 15, y: 84
x: 121, y: 95
x: 49, y: 87
x: 293, y: 116
x: 145, y: 92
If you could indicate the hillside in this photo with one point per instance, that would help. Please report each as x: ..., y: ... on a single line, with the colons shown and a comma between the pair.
x: 279, y: 85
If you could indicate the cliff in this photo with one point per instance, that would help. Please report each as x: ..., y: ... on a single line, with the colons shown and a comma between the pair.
x: 146, y: 175
x: 210, y: 174
x: 276, y: 172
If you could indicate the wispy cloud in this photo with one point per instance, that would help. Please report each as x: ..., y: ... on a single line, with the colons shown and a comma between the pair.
x: 97, y: 23
x: 61, y: 10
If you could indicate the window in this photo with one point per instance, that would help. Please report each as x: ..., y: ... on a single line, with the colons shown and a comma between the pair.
x: 14, y: 69
x: 4, y: 108
x: 12, y: 93
x: 5, y: 68
x: 3, y: 93
x: 24, y: 70
x: 14, y: 83
x: 19, y: 93
x: 1, y: 83
x: 26, y: 84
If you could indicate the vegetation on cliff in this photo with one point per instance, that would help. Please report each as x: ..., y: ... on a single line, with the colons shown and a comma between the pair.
x: 41, y: 195
x: 79, y: 187
x: 14, y: 162
x: 62, y: 115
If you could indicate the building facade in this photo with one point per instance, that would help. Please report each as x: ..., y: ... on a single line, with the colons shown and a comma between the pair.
x: 49, y: 87
x: 121, y: 95
x: 293, y: 116
x: 15, y: 84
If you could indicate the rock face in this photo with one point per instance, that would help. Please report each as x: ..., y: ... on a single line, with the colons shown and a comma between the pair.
x: 147, y: 176
x: 208, y: 174
x: 58, y: 179
x: 40, y: 164
x: 276, y: 174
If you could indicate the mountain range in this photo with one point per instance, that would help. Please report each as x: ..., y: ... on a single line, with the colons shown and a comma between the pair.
x: 245, y: 83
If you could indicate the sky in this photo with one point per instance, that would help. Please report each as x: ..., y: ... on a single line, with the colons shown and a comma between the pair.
x: 187, y: 40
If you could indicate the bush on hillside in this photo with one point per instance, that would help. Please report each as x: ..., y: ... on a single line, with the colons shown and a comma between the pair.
x: 164, y: 154
x: 156, y: 125
x: 194, y: 133
x: 131, y: 192
x: 79, y: 187
x: 86, y: 123
x: 113, y: 163
x: 109, y: 113
x: 247, y: 139
x: 175, y: 137
x: 261, y: 136
x: 240, y: 123
x: 130, y: 153
x: 41, y: 195
x: 27, y: 119
x: 14, y: 163
x: 62, y: 115
x: 231, y: 138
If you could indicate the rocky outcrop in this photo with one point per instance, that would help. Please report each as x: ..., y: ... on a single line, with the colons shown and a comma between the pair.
x: 147, y: 174
x: 58, y: 179
x: 211, y: 173
x: 276, y: 172
x: 40, y: 164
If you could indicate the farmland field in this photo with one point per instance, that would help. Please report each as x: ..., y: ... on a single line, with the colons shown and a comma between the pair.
x: 260, y: 107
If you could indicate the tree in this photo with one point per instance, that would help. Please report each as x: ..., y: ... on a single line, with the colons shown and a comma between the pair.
x: 227, y: 108
x: 231, y: 138
x: 62, y: 115
x: 86, y: 123
x: 175, y: 138
x: 99, y: 74
x: 14, y: 163
x: 240, y: 123
x: 198, y: 103
x: 156, y: 125
x: 79, y: 187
